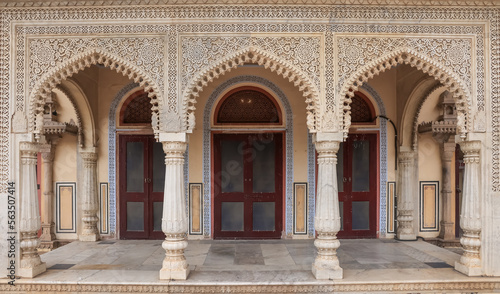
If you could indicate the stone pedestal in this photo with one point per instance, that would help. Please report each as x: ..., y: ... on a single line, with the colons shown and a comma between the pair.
x: 90, y: 205
x: 327, y: 216
x: 470, y: 216
x: 174, y: 222
x: 406, y: 194
x: 29, y: 217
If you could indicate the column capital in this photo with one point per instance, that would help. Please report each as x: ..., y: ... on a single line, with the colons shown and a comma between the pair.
x: 406, y: 155
x: 29, y: 149
x: 470, y: 148
x: 172, y: 148
x: 89, y: 156
x: 327, y: 147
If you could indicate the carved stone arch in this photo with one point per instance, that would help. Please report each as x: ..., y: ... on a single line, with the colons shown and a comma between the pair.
x: 79, y: 124
x: 262, y: 58
x: 448, y: 78
x: 79, y: 62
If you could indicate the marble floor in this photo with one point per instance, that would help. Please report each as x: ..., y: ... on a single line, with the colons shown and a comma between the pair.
x: 265, y: 262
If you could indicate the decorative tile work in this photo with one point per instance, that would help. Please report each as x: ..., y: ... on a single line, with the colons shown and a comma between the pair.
x: 207, y: 209
x: 311, y: 180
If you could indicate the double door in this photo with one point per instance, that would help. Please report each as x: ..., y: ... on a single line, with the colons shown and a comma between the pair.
x: 357, y: 186
x: 247, y: 185
x: 141, y: 178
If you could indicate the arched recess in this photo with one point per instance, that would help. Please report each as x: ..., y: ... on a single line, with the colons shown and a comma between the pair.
x: 255, y: 56
x: 79, y: 99
x: 65, y: 93
x: 411, y: 107
x: 288, y: 119
x: 79, y: 62
x: 452, y: 81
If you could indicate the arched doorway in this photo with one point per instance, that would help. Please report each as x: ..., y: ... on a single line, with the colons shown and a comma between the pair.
x: 141, y: 171
x: 247, y: 165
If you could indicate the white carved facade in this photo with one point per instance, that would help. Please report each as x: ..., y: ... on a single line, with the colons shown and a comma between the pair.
x: 312, y: 58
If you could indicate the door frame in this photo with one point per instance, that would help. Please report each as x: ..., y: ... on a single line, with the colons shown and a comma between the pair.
x: 119, y: 135
x: 283, y: 177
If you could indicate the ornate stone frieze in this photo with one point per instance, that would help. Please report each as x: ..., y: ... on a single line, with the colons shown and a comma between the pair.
x: 477, y: 22
x: 94, y: 3
x: 326, y: 287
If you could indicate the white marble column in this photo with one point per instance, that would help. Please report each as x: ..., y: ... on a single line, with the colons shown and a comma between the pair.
x: 406, y: 195
x: 447, y: 223
x: 470, y: 216
x: 327, y: 215
x: 174, y: 221
x: 90, y: 206
x: 47, y: 238
x: 29, y: 216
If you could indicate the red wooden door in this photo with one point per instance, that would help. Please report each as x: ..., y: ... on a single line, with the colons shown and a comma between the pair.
x: 142, y: 178
x: 247, y: 183
x: 357, y: 184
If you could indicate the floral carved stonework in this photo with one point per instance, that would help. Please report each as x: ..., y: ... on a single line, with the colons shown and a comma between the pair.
x: 42, y: 40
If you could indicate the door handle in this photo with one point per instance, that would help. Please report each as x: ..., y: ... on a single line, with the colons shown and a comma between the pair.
x: 345, y: 180
x: 147, y: 180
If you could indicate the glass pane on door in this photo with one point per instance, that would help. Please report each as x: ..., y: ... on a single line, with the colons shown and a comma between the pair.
x: 340, y: 168
x: 158, y: 167
x: 135, y: 167
x: 232, y: 216
x: 263, y: 167
x: 231, y: 166
x: 263, y: 216
x: 360, y: 215
x: 361, y: 166
x: 157, y: 215
x: 135, y: 216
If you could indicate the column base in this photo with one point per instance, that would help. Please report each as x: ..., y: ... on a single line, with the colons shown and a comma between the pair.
x: 327, y: 274
x: 406, y: 237
x: 469, y: 271
x: 32, y: 271
x: 46, y: 246
x: 168, y: 274
x: 89, y: 238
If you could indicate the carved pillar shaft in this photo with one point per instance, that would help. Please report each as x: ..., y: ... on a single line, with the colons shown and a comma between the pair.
x: 48, y: 235
x: 470, y: 216
x: 405, y: 197
x: 447, y: 224
x: 90, y: 205
x: 29, y: 217
x: 327, y: 216
x: 174, y: 222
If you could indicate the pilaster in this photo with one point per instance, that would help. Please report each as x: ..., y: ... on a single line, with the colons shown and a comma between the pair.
x: 48, y: 236
x: 470, y: 216
x: 174, y: 221
x: 327, y: 216
x: 447, y: 232
x: 90, y: 205
x: 406, y: 195
x: 29, y: 217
